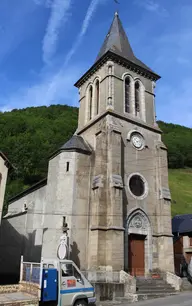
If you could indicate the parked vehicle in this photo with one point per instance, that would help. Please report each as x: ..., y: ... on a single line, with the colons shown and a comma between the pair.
x: 58, y: 282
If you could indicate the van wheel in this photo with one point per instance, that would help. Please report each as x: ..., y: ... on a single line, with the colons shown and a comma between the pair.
x: 80, y: 303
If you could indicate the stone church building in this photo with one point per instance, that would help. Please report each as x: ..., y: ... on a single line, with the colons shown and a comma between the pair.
x: 109, y: 181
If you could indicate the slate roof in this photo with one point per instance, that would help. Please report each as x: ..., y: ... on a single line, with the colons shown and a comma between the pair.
x: 182, y: 224
x: 117, y: 42
x: 76, y: 143
x: 116, y: 46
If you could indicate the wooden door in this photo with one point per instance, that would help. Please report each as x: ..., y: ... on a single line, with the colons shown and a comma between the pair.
x: 136, y: 255
x: 178, y: 255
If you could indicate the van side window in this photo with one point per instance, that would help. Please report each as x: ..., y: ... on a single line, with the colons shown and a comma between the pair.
x: 67, y: 270
x: 77, y: 275
x: 50, y: 266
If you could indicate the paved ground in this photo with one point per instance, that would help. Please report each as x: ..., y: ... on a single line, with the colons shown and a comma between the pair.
x: 14, y: 297
x: 182, y: 299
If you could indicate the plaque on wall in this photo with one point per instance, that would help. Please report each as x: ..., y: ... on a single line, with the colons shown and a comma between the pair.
x: 165, y: 193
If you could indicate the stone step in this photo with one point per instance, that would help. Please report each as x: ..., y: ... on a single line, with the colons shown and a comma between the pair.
x: 149, y: 296
x: 153, y: 285
x: 142, y: 296
x: 161, y: 290
x: 186, y: 285
x: 150, y: 280
x: 154, y: 288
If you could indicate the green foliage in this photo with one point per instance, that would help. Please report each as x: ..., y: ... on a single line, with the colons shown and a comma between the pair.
x: 178, y: 140
x: 180, y: 183
x: 28, y: 137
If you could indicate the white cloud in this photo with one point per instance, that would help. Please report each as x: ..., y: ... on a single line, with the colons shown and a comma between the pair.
x: 89, y: 14
x: 55, y: 88
x: 152, y: 6
x: 59, y: 15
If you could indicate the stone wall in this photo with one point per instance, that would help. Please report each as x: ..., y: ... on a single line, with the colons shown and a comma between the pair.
x: 3, y: 180
x: 21, y: 232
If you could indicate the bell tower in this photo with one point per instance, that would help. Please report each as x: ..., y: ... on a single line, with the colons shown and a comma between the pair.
x: 117, y: 81
x: 129, y: 198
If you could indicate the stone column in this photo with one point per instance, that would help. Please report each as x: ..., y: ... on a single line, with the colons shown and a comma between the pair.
x: 98, y: 204
x: 110, y: 89
x: 115, y: 230
x: 164, y: 229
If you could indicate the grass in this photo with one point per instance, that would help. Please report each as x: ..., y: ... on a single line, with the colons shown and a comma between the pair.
x: 180, y: 183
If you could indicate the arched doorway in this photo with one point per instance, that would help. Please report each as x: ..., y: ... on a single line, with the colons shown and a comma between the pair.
x: 138, y: 244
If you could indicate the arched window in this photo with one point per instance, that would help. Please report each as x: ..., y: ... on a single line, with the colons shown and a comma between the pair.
x: 90, y: 101
x: 97, y: 96
x: 127, y: 95
x: 137, y: 98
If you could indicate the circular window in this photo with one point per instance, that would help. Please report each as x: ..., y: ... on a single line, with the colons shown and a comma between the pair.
x: 137, y: 186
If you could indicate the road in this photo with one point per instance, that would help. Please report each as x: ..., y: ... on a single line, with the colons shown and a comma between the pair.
x: 183, y: 299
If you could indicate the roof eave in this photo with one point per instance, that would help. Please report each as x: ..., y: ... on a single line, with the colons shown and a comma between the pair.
x: 7, y: 162
x: 77, y: 150
x: 116, y: 57
x: 32, y: 188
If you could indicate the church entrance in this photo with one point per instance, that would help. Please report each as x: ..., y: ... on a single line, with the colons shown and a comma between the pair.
x: 138, y: 244
x: 136, y: 253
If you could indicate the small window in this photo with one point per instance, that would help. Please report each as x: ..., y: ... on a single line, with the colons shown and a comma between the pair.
x: 137, y: 98
x: 67, y: 166
x: 90, y: 101
x: 127, y: 95
x: 97, y: 97
x: 190, y: 241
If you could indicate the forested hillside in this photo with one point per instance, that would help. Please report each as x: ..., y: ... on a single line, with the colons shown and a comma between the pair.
x: 28, y: 136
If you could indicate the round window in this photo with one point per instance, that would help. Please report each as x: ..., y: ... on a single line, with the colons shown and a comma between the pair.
x: 137, y: 185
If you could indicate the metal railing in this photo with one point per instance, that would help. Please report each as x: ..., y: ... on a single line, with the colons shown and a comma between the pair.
x: 31, y: 275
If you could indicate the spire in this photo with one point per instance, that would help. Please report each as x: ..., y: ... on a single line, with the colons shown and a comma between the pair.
x: 117, y: 42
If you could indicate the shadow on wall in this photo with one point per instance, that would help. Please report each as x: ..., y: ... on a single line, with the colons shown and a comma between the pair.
x: 74, y: 254
x: 12, y: 246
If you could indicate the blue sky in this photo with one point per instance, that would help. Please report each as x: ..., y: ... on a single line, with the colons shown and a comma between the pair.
x: 47, y: 44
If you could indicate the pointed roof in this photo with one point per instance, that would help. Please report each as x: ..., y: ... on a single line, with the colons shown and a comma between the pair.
x: 117, y: 42
x: 75, y: 144
x: 116, y: 47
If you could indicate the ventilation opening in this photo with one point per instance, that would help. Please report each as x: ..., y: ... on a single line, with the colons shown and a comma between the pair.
x: 67, y: 166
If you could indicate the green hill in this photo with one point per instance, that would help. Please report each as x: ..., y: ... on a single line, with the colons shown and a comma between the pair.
x: 180, y: 183
x: 28, y: 137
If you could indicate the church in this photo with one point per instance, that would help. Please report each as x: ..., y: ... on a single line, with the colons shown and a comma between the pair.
x: 109, y: 182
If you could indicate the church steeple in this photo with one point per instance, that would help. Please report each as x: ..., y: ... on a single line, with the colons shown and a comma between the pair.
x: 116, y: 41
x: 117, y: 81
x: 116, y: 47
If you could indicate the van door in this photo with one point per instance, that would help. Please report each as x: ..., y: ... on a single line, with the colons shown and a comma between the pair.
x: 72, y: 284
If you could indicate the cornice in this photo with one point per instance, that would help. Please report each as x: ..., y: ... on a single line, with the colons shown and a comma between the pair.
x: 121, y: 61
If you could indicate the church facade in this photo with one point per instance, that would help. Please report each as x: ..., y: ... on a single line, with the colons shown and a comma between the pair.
x: 109, y: 181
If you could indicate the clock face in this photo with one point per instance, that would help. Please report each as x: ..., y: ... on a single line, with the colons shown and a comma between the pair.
x: 137, y: 141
